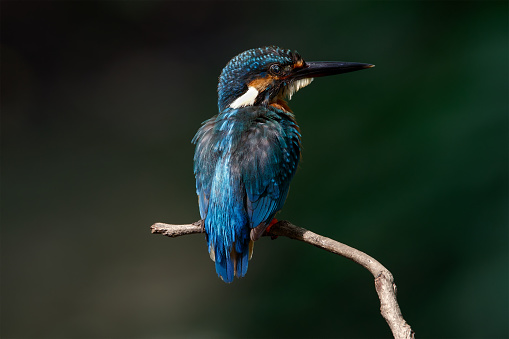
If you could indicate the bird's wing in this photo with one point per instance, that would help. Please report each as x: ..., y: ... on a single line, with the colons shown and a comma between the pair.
x: 271, y: 152
x: 206, y: 156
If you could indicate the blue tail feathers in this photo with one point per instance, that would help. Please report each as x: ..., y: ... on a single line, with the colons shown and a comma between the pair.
x: 230, y: 263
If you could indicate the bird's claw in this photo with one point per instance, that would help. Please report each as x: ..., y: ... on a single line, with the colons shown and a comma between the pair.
x: 267, y: 230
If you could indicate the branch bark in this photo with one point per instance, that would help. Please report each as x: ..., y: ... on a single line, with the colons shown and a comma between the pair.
x: 384, y: 281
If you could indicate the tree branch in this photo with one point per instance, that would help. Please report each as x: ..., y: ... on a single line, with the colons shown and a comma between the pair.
x: 384, y: 282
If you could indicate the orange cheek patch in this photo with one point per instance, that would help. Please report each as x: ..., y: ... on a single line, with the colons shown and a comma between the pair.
x: 261, y: 83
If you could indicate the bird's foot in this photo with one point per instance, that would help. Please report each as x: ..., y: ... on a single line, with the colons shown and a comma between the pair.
x: 274, y: 221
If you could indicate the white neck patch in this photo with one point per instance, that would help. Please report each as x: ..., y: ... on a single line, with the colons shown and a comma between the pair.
x: 291, y: 89
x: 246, y: 99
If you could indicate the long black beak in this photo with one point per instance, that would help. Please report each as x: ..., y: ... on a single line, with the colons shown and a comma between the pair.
x: 324, y: 68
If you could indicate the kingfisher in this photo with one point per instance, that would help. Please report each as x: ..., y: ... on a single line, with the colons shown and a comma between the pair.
x: 247, y: 154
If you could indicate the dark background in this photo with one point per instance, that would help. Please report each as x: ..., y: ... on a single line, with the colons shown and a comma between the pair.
x: 407, y: 161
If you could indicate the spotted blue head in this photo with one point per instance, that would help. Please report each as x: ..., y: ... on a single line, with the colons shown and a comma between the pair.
x: 270, y: 75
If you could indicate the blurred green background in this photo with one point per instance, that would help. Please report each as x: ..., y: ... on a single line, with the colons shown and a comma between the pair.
x: 407, y: 161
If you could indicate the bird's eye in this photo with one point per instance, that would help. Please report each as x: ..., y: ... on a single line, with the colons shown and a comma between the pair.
x: 276, y: 69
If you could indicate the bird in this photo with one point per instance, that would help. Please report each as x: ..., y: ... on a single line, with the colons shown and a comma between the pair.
x: 247, y: 154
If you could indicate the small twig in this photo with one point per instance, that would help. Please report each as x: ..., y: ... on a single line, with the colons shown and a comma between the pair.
x: 384, y: 282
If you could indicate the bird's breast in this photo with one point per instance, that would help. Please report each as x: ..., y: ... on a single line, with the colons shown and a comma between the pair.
x: 281, y: 105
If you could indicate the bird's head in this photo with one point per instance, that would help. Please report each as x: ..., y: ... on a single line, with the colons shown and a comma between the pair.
x: 270, y: 75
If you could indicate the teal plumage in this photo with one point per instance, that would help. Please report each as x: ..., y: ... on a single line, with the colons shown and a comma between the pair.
x: 244, y: 161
